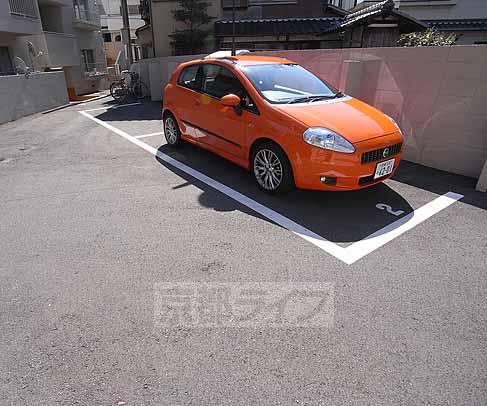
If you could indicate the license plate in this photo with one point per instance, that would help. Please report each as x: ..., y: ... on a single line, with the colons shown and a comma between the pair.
x: 384, y: 168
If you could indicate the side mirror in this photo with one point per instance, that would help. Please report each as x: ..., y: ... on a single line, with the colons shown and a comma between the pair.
x: 230, y: 100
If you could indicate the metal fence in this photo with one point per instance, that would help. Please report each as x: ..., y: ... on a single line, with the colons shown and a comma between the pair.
x: 23, y: 8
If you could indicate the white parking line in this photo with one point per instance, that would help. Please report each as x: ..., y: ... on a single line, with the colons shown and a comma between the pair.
x: 148, y: 135
x: 349, y: 254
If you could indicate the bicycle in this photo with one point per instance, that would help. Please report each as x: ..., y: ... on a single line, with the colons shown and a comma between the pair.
x: 129, y: 84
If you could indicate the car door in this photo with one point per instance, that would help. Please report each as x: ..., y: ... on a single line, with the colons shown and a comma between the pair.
x: 225, y: 126
x: 188, y: 99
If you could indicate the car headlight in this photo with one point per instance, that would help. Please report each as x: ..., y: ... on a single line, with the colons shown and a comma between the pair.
x: 394, y: 122
x: 327, y: 139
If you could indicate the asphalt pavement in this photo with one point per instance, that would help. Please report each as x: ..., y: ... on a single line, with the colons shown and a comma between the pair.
x: 94, y: 227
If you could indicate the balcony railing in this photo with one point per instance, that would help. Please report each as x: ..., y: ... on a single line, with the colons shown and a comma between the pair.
x: 23, y: 8
x: 85, y: 16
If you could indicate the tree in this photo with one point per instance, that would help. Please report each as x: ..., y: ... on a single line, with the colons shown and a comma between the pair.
x: 430, y: 37
x: 191, y: 40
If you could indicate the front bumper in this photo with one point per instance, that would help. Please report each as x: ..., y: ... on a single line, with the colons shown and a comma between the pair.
x: 311, y: 164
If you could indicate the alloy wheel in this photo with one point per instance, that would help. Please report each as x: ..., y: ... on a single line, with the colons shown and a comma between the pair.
x: 170, y: 131
x: 268, y: 169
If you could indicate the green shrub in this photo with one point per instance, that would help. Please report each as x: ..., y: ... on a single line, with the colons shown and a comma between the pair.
x: 428, y: 38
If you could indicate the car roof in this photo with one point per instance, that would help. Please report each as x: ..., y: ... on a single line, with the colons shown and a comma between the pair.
x: 244, y: 60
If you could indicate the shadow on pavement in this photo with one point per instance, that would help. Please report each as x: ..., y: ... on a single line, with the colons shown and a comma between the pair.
x: 147, y: 110
x: 440, y: 182
x: 339, y: 217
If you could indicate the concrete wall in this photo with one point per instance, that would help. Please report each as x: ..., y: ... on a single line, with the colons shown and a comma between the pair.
x: 21, y: 96
x: 156, y: 72
x: 438, y: 95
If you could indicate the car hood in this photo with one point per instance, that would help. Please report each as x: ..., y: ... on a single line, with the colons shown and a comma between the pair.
x: 349, y: 117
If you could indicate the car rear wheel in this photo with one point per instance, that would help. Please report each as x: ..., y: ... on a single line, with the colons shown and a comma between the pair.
x: 171, y: 130
x: 271, y: 169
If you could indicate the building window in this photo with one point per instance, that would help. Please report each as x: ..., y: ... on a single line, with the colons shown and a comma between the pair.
x: 6, y: 67
x: 88, y: 59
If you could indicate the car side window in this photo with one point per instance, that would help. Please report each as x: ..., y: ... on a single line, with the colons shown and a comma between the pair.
x: 218, y: 81
x: 189, y: 77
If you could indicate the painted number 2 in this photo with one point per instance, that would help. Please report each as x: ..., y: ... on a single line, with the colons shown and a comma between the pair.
x: 388, y: 209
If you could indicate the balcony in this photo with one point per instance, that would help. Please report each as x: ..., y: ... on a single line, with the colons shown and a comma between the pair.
x: 19, y: 17
x: 84, y: 19
x: 23, y: 8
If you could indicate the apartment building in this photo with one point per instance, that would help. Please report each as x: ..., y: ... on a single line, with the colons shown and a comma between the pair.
x: 52, y: 35
x: 111, y: 24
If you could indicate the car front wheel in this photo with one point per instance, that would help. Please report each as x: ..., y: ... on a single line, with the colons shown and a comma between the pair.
x: 271, y: 169
x: 171, y: 130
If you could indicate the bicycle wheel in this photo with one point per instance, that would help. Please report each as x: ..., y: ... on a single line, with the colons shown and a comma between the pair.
x: 140, y: 90
x: 119, y: 91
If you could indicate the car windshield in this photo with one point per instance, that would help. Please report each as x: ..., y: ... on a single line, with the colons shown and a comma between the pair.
x: 287, y: 83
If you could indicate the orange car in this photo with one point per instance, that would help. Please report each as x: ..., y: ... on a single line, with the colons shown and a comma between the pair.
x: 280, y: 121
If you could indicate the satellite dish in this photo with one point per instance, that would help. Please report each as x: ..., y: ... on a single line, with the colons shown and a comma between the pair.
x: 21, y: 67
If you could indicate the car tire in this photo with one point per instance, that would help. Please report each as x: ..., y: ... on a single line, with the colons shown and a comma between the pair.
x: 271, y: 169
x: 171, y: 130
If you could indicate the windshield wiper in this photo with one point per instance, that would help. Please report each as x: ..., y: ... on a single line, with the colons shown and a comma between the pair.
x: 316, y: 97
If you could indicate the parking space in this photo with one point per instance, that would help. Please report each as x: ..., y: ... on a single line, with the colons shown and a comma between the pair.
x: 346, y: 225
x: 96, y: 223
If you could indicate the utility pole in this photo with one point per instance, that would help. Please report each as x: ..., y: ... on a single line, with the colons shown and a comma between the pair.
x: 149, y: 2
x: 126, y: 33
x: 233, y: 29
